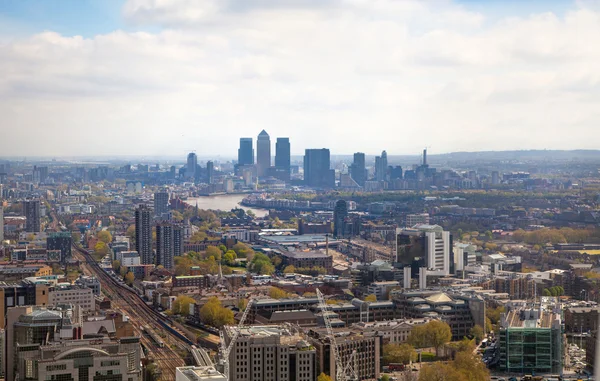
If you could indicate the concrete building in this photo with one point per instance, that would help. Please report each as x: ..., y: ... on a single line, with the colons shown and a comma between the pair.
x: 340, y: 213
x: 461, y: 312
x: 368, y: 349
x: 83, y: 360
x: 531, y: 341
x: 169, y: 244
x: 31, y: 210
x: 394, y: 331
x: 201, y: 281
x: 198, y: 373
x: 263, y: 153
x: 581, y: 319
x: 430, y: 245
x: 161, y: 204
x: 382, y: 289
x: 90, y: 282
x: 317, y: 171
x: 417, y: 219
x: 270, y: 353
x: 72, y: 294
x: 129, y: 258
x: 143, y: 234
x: 62, y: 241
x: 12, y: 272
x: 246, y: 152
x: 24, y: 293
x: 210, y: 172
x: 358, y: 169
x: 464, y: 255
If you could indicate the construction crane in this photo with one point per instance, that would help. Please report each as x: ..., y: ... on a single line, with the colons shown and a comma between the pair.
x: 340, y: 374
x: 352, y: 363
x: 226, y: 349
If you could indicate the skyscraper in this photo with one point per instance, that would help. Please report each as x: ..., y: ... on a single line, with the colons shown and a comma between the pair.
x: 245, y: 152
x: 169, y: 244
x: 31, y: 209
x: 161, y: 203
x: 263, y: 153
x: 60, y: 241
x: 282, y: 155
x: 143, y: 234
x: 190, y: 169
x: 358, y: 170
x: 340, y: 212
x: 317, y: 172
x: 381, y: 167
x: 210, y: 171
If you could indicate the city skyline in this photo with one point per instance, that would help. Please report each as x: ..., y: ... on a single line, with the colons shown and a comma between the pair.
x: 455, y: 76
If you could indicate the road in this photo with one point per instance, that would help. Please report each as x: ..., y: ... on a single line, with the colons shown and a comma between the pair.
x: 165, y: 357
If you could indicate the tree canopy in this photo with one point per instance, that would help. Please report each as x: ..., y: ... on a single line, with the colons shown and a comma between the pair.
x: 433, y: 334
x: 214, y: 314
x: 104, y: 236
x: 261, y: 264
x: 371, y: 298
x: 181, y: 305
x: 399, y: 353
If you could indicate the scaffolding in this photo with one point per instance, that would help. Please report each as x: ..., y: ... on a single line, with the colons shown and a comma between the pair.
x: 530, y: 350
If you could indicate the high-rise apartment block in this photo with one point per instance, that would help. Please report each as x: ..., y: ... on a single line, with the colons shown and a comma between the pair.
x: 192, y: 163
x: 340, y: 212
x: 270, y: 353
x: 381, y: 167
x: 263, y: 153
x: 31, y: 209
x: 143, y: 234
x: 161, y: 204
x: 210, y: 172
x: 246, y: 152
x: 283, y: 156
x: 317, y: 171
x: 169, y: 244
x: 1, y: 223
x: 358, y: 169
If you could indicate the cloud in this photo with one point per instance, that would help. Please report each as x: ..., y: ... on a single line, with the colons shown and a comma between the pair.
x: 351, y: 75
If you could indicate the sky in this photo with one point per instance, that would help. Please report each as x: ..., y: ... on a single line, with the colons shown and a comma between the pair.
x: 165, y: 77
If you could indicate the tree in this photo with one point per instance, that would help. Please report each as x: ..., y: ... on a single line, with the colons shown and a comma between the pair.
x: 385, y: 377
x: 198, y: 237
x: 261, y: 264
x: 104, y: 236
x: 229, y: 258
x: 277, y: 293
x: 181, y: 305
x: 477, y: 332
x: 116, y: 265
x: 440, y: 372
x: 101, y: 248
x: 213, y: 251
x: 214, y: 314
x: 403, y: 353
x: 76, y: 237
x: 243, y: 251
x: 131, y: 232
x: 242, y: 304
x: 371, y: 298
x: 323, y: 377
x: 433, y: 334
x: 290, y: 269
x: 546, y: 292
x: 129, y: 278
x: 276, y: 260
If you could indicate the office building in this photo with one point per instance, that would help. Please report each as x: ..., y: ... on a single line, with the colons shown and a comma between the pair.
x: 198, y: 373
x: 394, y: 331
x: 190, y: 169
x: 270, y: 353
x: 62, y: 241
x: 368, y: 350
x: 31, y: 209
x: 263, y: 153
x: 581, y: 319
x: 24, y: 293
x: 340, y: 213
x: 161, y: 204
x: 1, y: 223
x: 417, y: 219
x: 246, y: 152
x: 81, y: 296
x: 90, y: 282
x: 381, y: 167
x: 82, y: 360
x: 531, y: 341
x: 307, y: 259
x: 358, y: 169
x: 169, y: 244
x: 40, y: 174
x: 143, y: 234
x: 210, y: 172
x: 317, y: 171
x: 461, y: 312
x: 464, y: 256
x: 283, y: 157
x: 427, y: 245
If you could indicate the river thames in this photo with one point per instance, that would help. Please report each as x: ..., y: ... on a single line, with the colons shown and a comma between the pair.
x: 224, y: 202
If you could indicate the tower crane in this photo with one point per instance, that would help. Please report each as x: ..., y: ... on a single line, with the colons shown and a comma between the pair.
x: 340, y: 374
x: 226, y: 349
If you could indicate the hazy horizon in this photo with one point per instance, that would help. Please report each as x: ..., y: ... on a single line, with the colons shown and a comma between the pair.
x: 103, y: 78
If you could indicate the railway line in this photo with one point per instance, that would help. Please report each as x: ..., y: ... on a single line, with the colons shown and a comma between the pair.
x: 165, y: 356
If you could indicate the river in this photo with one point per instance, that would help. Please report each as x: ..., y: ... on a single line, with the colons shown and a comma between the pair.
x: 224, y: 202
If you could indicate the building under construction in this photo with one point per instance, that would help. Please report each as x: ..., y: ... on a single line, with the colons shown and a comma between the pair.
x: 531, y: 340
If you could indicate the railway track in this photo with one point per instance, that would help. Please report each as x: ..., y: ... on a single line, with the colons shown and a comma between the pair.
x: 166, y: 358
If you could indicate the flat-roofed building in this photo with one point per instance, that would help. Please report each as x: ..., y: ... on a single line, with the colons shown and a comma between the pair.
x: 307, y: 259
x: 73, y: 294
x: 394, y: 331
x: 198, y: 373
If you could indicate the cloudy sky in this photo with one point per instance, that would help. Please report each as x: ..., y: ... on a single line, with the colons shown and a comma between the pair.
x: 162, y: 77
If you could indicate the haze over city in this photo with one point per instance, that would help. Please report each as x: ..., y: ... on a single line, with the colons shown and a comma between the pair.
x: 143, y: 77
